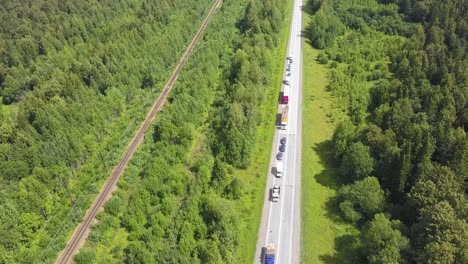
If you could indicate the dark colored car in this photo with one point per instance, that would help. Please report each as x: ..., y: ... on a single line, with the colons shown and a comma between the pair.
x: 286, y: 82
x: 283, y: 140
x: 282, y: 148
x: 279, y: 156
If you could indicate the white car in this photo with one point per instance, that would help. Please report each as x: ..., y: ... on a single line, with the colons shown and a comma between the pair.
x: 275, y: 193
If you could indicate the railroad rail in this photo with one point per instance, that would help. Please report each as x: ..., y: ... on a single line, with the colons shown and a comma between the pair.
x: 81, y: 232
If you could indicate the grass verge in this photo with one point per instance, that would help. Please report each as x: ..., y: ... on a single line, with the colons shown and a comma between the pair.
x: 324, y: 238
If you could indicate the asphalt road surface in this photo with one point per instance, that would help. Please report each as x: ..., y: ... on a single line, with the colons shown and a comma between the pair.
x: 280, y: 223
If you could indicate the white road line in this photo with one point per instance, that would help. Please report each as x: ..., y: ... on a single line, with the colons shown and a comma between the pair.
x: 269, y: 194
x: 298, y: 59
x: 296, y: 108
x: 293, y: 205
x: 269, y: 211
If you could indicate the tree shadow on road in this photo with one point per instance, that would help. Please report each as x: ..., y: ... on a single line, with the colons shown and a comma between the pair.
x: 347, y: 246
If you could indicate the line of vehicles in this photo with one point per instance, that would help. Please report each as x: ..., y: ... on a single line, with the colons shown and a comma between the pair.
x: 284, y: 101
x: 270, y: 249
x: 283, y: 121
x: 275, y: 191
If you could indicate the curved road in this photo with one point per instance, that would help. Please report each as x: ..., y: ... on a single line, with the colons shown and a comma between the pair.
x: 82, y: 231
x: 280, y: 224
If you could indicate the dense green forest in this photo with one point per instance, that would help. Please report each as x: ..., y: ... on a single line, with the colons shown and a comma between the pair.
x: 76, y: 78
x: 181, y: 200
x: 399, y: 69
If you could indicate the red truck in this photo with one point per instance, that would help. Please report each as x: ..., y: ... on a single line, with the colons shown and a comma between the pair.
x: 285, y: 98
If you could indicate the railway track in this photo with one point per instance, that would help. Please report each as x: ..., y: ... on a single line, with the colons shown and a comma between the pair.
x: 82, y: 231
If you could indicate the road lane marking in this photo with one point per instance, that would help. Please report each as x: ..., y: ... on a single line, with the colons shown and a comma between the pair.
x: 299, y: 59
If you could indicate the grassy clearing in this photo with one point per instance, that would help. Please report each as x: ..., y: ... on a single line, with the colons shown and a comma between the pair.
x: 255, y: 175
x: 325, y: 238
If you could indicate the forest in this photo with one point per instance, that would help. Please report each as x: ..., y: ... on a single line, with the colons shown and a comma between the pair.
x: 77, y: 77
x: 181, y: 200
x: 399, y: 70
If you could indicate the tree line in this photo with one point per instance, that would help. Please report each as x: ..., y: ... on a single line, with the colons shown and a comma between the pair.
x: 399, y: 70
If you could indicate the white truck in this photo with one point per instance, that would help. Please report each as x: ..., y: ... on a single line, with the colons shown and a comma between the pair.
x: 279, y: 169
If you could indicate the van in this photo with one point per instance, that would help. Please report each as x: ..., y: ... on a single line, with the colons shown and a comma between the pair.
x: 279, y: 169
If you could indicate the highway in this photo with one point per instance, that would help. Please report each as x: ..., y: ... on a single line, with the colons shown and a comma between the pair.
x: 280, y: 224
